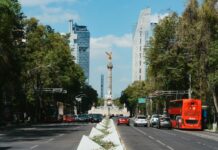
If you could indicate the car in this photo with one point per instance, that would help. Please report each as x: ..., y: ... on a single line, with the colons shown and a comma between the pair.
x: 140, y: 120
x: 96, y: 117
x: 154, y: 120
x: 68, y: 118
x: 123, y: 120
x: 83, y: 118
x: 164, y: 122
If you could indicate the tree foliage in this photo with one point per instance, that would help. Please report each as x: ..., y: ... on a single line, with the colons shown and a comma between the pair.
x: 34, y: 57
x: 182, y: 47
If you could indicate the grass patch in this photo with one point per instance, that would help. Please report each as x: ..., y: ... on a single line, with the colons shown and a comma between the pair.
x: 98, y: 139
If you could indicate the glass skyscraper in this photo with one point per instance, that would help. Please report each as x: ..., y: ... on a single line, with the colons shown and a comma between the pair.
x: 80, y: 44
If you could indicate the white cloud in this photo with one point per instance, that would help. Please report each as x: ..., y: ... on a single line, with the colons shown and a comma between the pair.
x: 99, y: 45
x: 32, y: 3
x: 156, y: 17
x: 56, y: 15
x: 41, y: 10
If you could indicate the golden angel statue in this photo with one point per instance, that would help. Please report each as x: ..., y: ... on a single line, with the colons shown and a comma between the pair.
x: 109, y: 54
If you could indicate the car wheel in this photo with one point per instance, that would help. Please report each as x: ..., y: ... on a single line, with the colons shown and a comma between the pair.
x: 135, y: 125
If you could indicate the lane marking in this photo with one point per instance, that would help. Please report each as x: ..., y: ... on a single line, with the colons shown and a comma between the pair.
x: 61, y: 135
x: 139, y: 130
x: 160, y: 142
x: 151, y: 137
x: 170, y: 147
x: 50, y: 140
x: 34, y: 146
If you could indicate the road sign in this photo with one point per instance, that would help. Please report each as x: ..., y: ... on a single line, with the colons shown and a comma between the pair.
x: 141, y: 100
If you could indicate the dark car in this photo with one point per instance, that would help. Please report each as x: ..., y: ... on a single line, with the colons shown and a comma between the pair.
x: 164, y: 122
x: 123, y: 120
x: 83, y: 118
x: 96, y: 117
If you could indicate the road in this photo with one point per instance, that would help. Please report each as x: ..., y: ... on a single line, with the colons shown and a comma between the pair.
x: 63, y: 136
x: 141, y: 138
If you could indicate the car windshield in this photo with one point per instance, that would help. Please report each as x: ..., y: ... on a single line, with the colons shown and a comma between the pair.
x: 141, y: 117
x: 166, y: 119
x: 155, y: 116
x: 96, y: 115
x: 124, y: 117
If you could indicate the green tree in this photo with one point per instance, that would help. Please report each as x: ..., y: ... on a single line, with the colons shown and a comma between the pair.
x: 131, y: 94
x: 11, y: 35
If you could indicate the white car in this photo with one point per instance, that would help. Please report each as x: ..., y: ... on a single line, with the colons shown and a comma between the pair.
x: 140, y: 120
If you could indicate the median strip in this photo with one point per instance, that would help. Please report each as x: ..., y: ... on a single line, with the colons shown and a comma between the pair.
x: 104, y: 136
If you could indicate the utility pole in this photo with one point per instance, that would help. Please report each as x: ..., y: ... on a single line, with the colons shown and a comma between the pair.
x: 190, y: 86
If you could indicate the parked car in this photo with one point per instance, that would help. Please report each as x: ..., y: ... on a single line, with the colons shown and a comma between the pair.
x: 154, y: 120
x: 123, y: 120
x: 164, y: 122
x: 96, y: 117
x: 140, y: 120
x: 83, y: 118
x: 68, y: 118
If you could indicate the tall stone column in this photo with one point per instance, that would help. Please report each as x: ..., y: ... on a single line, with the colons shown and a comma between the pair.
x: 109, y: 81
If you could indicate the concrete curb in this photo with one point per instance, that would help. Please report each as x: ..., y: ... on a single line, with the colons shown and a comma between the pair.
x: 89, y: 144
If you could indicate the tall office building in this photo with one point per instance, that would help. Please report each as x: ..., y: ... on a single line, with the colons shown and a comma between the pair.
x: 141, y: 36
x: 102, y: 86
x: 79, y: 44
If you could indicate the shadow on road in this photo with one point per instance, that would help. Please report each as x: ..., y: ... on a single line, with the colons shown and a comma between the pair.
x: 5, y: 148
x: 37, y: 133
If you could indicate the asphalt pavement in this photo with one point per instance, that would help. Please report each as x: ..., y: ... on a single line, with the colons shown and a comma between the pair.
x: 147, y: 138
x: 64, y: 136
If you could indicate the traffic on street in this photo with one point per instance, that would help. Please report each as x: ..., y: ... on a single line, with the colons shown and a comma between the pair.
x: 141, y: 138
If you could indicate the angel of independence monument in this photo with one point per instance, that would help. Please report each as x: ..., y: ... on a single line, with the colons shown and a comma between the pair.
x: 108, y: 100
x: 109, y: 107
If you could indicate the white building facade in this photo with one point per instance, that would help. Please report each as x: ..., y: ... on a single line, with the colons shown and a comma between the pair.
x: 141, y: 36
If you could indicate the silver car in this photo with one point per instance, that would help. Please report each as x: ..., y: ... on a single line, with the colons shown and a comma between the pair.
x: 164, y: 122
x: 154, y: 120
x: 140, y: 120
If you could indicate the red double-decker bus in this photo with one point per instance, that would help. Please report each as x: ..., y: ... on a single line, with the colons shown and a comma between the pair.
x: 186, y: 113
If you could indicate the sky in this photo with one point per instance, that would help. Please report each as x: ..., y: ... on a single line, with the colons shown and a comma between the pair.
x: 111, y: 25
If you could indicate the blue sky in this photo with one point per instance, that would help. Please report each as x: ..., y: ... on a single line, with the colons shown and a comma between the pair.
x: 110, y: 22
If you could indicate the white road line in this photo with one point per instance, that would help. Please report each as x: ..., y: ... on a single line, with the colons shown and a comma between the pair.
x: 34, y: 146
x: 140, y: 131
x: 170, y: 147
x: 151, y: 137
x: 61, y: 135
x: 50, y: 140
x: 160, y: 142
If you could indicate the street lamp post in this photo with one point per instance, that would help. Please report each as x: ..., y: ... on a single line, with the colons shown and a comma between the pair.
x: 79, y: 100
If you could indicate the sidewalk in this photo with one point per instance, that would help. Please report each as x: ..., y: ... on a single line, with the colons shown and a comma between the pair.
x: 12, y: 126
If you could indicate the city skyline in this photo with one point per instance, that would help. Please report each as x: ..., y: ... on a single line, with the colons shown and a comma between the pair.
x: 111, y: 25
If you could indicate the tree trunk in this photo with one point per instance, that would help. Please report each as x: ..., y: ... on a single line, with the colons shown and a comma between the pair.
x: 215, y: 100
